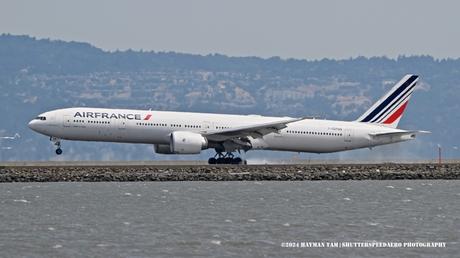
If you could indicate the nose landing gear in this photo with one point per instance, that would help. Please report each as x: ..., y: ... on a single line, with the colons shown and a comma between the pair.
x: 57, y: 143
x: 227, y: 158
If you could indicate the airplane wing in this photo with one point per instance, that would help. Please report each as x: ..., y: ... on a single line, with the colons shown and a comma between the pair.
x: 255, y: 131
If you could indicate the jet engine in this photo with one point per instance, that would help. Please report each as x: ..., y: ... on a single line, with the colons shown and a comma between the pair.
x: 187, y: 142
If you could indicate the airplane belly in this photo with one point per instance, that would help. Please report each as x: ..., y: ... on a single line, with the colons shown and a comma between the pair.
x: 148, y: 135
x: 116, y: 131
x: 297, y: 143
x: 83, y: 134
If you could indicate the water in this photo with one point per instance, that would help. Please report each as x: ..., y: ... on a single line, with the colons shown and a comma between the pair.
x: 226, y: 218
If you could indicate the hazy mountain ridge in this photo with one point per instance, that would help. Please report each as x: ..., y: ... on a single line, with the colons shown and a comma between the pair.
x: 38, y: 75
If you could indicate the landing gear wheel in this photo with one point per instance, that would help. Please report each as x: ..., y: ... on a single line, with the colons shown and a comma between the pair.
x: 57, y: 143
x: 237, y: 161
x: 227, y: 158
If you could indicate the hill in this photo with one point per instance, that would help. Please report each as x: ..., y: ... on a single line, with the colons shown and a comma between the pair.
x: 37, y: 75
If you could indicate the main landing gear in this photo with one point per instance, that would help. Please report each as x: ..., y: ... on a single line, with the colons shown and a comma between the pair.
x: 57, y: 143
x: 227, y: 158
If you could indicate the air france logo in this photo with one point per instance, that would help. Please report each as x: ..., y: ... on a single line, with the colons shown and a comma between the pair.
x: 111, y: 115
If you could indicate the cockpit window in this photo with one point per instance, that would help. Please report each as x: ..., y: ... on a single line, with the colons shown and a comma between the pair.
x: 41, y: 118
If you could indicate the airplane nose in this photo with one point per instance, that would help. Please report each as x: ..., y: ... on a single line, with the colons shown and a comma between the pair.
x: 32, y: 125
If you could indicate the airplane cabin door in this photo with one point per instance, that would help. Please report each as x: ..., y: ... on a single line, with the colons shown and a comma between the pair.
x: 121, y: 129
x: 66, y: 121
x: 348, y: 135
x: 207, y: 126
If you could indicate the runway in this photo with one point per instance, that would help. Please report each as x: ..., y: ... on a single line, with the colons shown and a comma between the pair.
x: 128, y: 171
x: 137, y: 163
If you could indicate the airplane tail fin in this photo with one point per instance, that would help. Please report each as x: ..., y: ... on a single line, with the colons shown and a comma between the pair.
x: 389, y: 109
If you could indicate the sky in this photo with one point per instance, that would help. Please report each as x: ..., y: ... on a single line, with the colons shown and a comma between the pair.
x: 290, y: 29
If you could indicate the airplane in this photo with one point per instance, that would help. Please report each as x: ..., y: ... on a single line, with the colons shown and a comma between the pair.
x: 190, y: 133
x: 14, y: 137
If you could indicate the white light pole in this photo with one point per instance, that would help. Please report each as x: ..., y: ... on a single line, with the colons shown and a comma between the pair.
x: 439, y: 154
x: 455, y: 148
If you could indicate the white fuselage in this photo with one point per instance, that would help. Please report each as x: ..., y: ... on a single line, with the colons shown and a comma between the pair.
x: 155, y: 127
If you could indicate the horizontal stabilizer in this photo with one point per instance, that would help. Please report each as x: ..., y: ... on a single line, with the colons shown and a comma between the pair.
x: 397, y: 133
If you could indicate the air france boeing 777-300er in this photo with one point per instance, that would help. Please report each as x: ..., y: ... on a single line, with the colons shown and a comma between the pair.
x: 190, y: 133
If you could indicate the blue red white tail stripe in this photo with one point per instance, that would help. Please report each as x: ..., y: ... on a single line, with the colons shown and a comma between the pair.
x: 403, y: 98
x: 396, y: 115
x: 390, y: 108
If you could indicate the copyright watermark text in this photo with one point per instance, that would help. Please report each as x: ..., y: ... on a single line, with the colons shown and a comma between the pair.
x: 346, y: 244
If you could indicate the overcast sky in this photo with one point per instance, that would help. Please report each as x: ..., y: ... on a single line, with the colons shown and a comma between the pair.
x: 299, y: 29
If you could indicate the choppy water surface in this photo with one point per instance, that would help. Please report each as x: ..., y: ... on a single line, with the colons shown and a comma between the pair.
x: 226, y: 218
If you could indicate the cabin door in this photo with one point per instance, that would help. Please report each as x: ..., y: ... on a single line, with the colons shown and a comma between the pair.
x: 348, y: 135
x: 67, y: 121
x: 121, y: 128
x: 207, y: 126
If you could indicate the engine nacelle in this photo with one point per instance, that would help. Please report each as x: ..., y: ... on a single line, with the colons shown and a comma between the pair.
x: 182, y: 142
x: 162, y: 149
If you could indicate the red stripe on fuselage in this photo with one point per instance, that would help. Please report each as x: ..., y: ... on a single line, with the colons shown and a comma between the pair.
x: 147, y: 117
x: 396, y: 114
